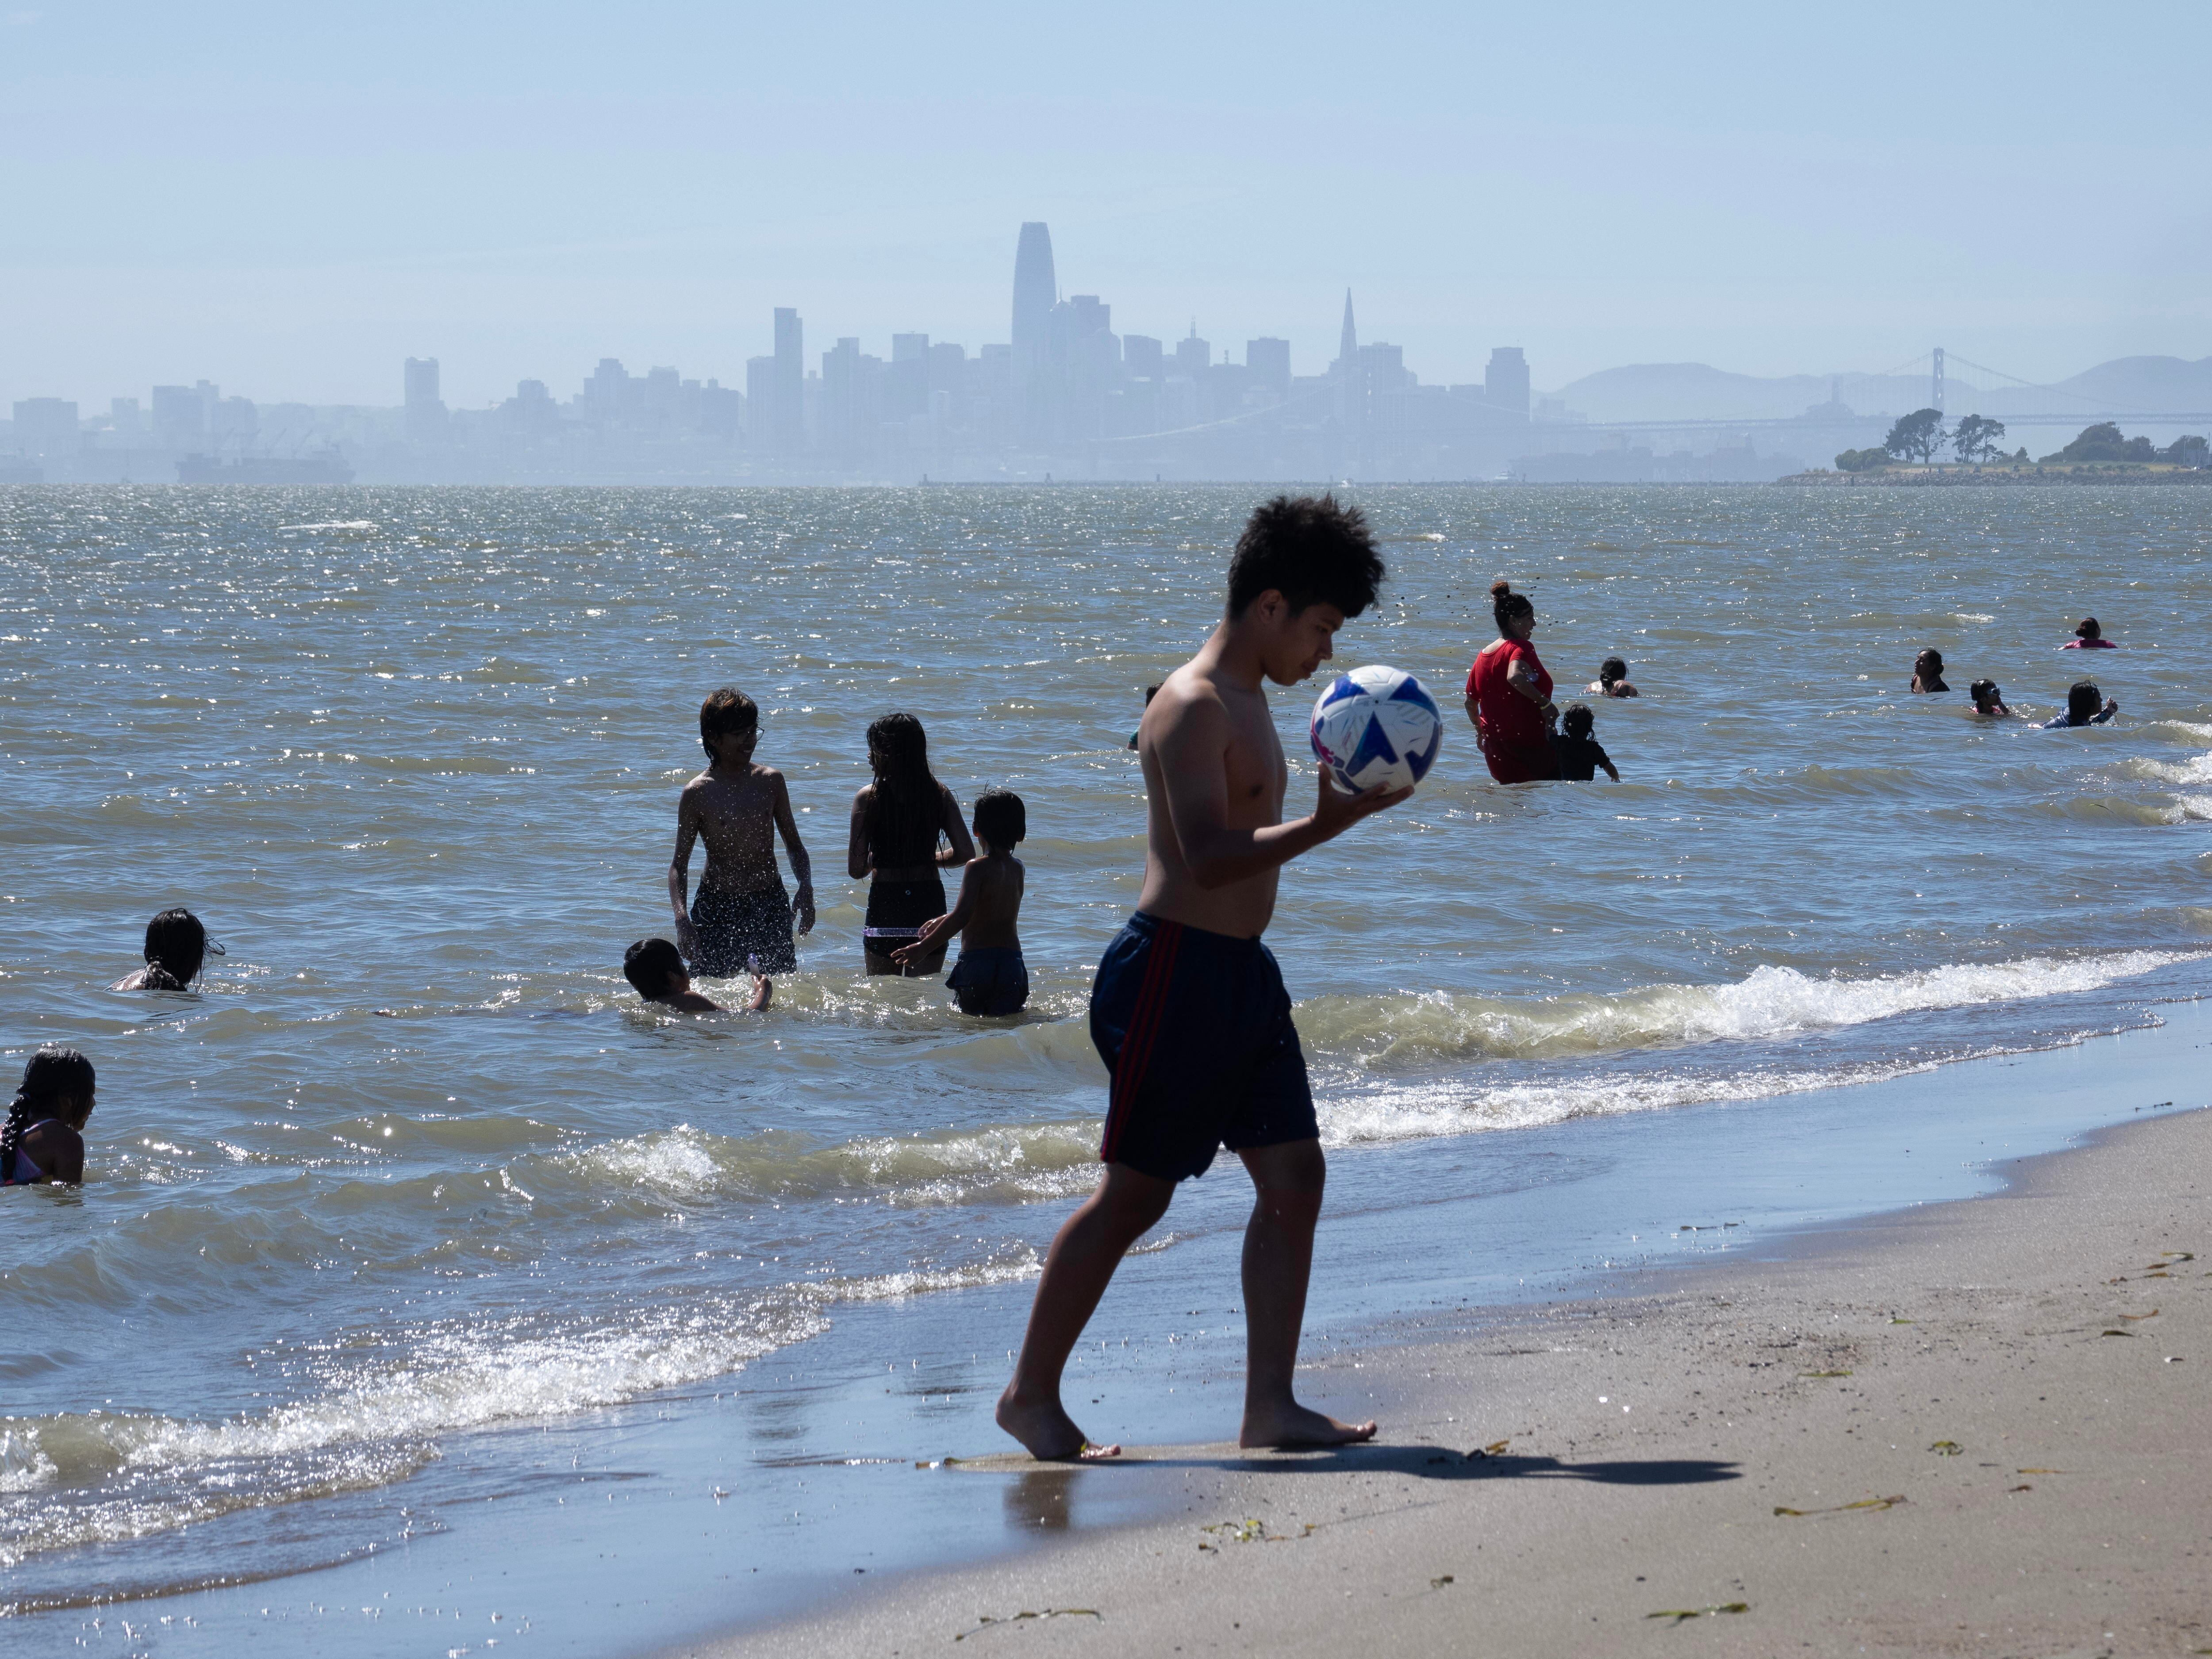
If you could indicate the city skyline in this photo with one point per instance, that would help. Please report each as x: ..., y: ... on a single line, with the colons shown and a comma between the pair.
x: 295, y: 202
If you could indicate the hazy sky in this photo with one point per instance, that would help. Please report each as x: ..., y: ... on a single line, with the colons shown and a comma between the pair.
x: 289, y: 200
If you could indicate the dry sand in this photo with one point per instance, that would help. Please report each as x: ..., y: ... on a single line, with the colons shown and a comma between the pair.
x: 1984, y: 1427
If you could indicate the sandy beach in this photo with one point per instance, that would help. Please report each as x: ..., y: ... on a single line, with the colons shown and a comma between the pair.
x: 1978, y: 1427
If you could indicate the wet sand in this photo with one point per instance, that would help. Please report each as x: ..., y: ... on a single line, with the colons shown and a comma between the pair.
x: 1977, y: 1427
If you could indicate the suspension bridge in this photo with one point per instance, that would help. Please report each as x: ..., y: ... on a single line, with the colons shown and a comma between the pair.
x: 1979, y: 389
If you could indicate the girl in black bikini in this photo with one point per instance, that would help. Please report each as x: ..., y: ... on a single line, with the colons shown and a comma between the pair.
x: 44, y: 1138
x: 897, y: 823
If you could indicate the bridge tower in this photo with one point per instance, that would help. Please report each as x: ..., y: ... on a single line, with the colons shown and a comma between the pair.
x: 1936, y: 383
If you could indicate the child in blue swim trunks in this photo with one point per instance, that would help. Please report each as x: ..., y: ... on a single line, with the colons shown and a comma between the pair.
x: 1188, y: 1009
x: 990, y: 979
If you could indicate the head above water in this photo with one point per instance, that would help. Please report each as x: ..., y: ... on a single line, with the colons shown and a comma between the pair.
x: 1612, y: 670
x: 649, y: 963
x: 1929, y: 664
x: 905, y: 810
x: 2088, y: 628
x: 1514, y: 613
x: 177, y: 944
x: 1000, y: 819
x: 1985, y: 694
x: 1577, y: 720
x: 726, y: 711
x: 57, y: 1083
x: 2083, y: 699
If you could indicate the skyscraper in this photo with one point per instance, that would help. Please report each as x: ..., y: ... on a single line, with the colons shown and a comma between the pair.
x: 1347, y: 348
x: 1036, y: 290
x: 1505, y: 381
x: 425, y: 411
x: 785, y: 422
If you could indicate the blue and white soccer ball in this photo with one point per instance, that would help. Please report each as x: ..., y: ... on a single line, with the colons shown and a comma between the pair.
x: 1376, y: 725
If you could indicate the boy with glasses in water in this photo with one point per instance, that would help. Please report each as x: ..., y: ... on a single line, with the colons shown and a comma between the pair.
x: 1188, y: 1009
x: 742, y: 918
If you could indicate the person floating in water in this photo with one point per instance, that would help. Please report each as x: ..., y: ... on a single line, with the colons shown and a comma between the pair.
x: 1188, y: 1009
x: 654, y: 968
x: 898, y: 822
x: 1151, y: 692
x: 176, y: 948
x: 43, y: 1140
x: 742, y: 918
x: 1581, y: 754
x: 1612, y: 680
x: 1928, y: 672
x: 990, y: 979
x: 2089, y: 635
x: 2085, y: 706
x: 1988, y: 700
x: 1509, y: 695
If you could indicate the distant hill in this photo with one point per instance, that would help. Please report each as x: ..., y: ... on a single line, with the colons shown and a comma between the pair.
x: 1674, y: 391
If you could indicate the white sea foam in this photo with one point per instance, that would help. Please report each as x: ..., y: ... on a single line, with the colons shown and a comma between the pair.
x: 333, y: 524
x: 1420, y: 1029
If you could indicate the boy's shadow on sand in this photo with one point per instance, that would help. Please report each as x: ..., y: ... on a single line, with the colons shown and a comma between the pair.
x: 1041, y: 1495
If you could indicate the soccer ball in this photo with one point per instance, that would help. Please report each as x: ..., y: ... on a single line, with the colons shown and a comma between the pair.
x: 1376, y: 725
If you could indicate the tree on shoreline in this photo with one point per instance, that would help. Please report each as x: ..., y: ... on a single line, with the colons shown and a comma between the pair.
x: 1920, y: 433
x: 1976, y: 439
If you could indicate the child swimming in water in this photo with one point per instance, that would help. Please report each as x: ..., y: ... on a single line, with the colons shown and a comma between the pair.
x: 176, y: 948
x: 1581, y: 754
x: 1988, y: 700
x: 2082, y: 699
x: 654, y: 969
x: 1612, y: 680
x: 990, y: 978
x: 2089, y: 635
x: 44, y: 1138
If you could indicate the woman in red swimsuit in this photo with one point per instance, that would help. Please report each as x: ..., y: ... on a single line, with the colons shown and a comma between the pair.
x: 1508, y: 695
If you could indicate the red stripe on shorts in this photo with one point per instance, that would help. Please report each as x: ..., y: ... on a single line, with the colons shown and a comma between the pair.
x: 1137, y: 1044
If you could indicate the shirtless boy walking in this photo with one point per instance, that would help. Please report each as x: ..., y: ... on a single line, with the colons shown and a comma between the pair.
x: 1188, y: 1009
x: 743, y: 917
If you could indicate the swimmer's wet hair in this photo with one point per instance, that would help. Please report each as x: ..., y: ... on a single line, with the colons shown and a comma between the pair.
x: 1928, y: 653
x: 1000, y: 819
x: 2083, y: 697
x: 1983, y: 689
x: 1576, y: 720
x: 1612, y: 669
x: 51, y: 1076
x: 1308, y: 550
x: 727, y: 710
x: 176, y: 948
x: 2088, y: 628
x: 648, y: 964
x: 1505, y: 604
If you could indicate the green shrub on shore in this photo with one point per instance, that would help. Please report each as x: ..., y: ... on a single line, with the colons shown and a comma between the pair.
x: 1861, y: 461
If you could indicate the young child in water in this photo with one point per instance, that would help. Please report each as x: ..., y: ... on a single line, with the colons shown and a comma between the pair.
x: 44, y: 1138
x: 742, y: 917
x: 990, y: 978
x: 176, y: 948
x: 2083, y: 701
x: 1612, y: 680
x: 1581, y: 754
x: 1988, y: 700
x: 655, y: 968
x: 2089, y: 635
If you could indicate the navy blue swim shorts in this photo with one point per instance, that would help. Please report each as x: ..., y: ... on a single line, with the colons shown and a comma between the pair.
x: 1195, y: 1029
x: 737, y: 930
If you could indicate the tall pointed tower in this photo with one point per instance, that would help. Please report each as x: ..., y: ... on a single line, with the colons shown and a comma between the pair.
x: 1348, y: 351
x: 1036, y: 290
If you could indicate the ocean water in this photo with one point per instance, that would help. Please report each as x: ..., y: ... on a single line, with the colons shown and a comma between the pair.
x: 412, y: 1170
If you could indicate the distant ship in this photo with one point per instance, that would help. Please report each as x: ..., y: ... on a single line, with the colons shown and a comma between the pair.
x: 326, y: 466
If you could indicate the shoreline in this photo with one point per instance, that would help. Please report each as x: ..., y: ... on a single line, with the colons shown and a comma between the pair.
x: 1802, y: 1433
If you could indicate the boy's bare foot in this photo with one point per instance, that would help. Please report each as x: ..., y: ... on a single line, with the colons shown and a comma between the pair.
x: 1048, y: 1431
x: 763, y: 989
x: 1292, y: 1425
